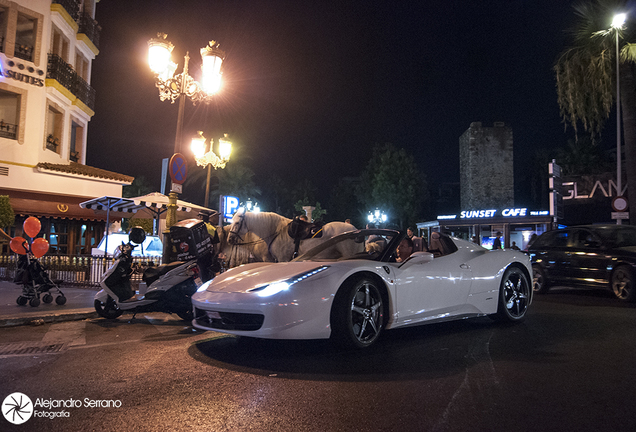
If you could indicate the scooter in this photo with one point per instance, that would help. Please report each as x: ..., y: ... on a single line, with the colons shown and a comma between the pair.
x: 165, y: 288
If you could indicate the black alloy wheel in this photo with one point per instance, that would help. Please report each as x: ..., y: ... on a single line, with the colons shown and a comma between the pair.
x: 357, y: 315
x: 622, y: 283
x: 540, y: 283
x: 514, y: 296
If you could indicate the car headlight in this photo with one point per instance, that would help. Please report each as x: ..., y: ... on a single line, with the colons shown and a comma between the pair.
x: 283, y: 285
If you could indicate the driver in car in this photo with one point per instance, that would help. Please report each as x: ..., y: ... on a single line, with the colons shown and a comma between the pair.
x: 404, y: 249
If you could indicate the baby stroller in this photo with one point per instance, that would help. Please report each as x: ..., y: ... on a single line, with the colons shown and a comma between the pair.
x: 35, y: 281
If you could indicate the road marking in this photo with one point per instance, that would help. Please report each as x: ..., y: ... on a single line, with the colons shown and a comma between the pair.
x: 71, y: 332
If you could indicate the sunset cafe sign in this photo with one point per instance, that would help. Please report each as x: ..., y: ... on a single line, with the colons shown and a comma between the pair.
x: 491, y: 213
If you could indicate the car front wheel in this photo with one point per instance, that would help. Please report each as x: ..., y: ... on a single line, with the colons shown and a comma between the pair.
x: 539, y: 281
x: 357, y: 316
x: 622, y: 283
x: 514, y: 296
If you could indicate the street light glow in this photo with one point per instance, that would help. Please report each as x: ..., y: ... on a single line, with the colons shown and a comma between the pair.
x: 619, y: 20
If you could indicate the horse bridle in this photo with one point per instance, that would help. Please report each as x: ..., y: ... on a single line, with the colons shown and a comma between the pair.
x: 240, y: 226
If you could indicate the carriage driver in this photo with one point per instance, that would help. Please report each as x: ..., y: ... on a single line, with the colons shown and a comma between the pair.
x: 210, y: 217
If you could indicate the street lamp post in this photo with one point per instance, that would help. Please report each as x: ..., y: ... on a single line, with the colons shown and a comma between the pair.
x: 209, y: 158
x: 617, y: 24
x: 172, y: 87
x: 377, y: 217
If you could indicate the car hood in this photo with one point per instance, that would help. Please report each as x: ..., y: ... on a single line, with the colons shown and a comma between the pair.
x: 249, y: 276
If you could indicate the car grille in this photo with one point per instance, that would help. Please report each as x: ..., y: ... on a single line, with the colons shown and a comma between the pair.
x: 228, y: 320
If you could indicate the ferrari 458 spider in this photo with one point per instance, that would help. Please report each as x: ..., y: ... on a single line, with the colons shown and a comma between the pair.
x: 351, y: 288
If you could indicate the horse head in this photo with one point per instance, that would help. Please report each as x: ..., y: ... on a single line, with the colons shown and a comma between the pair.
x: 237, y: 228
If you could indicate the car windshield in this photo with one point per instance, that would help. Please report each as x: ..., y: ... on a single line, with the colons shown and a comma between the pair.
x: 375, y: 245
x: 618, y: 236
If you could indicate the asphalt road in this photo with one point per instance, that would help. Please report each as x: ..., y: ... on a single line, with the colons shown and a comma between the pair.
x: 568, y: 367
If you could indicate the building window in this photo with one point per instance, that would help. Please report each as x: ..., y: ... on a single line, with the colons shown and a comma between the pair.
x: 25, y: 37
x: 81, y: 66
x: 9, y: 114
x: 4, y: 15
x: 59, y: 44
x: 54, y: 123
x: 58, y: 237
x: 77, y: 141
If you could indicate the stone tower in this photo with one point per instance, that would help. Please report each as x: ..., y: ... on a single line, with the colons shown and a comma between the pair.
x: 485, y: 167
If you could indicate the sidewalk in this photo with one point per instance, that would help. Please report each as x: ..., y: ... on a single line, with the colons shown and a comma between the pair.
x: 79, y: 305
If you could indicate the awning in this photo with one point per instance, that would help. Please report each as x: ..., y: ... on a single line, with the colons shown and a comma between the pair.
x: 155, y: 204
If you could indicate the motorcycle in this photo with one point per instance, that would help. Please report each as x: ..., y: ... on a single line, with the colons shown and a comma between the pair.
x: 165, y: 288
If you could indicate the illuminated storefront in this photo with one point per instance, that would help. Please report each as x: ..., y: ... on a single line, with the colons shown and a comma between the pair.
x: 515, y: 225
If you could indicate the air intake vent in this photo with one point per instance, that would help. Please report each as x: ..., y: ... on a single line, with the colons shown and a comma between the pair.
x: 4, y: 171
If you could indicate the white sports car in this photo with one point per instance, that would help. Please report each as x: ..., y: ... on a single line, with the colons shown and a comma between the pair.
x: 351, y: 288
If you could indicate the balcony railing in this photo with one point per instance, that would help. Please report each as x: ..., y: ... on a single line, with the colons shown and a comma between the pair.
x: 72, y: 7
x: 24, y: 52
x: 63, y: 73
x: 90, y: 28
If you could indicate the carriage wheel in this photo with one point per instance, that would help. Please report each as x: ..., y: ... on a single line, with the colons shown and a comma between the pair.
x: 47, y: 298
x: 22, y: 301
x: 60, y: 300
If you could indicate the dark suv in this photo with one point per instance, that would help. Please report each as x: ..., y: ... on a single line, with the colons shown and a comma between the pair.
x: 590, y: 255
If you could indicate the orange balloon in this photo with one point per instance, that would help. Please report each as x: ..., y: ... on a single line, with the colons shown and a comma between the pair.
x: 32, y: 226
x: 19, y: 245
x: 39, y: 247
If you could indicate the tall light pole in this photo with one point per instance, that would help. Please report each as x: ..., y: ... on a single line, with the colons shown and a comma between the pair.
x: 617, y: 24
x: 182, y: 86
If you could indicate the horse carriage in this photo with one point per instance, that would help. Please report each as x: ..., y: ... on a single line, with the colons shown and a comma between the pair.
x: 270, y: 237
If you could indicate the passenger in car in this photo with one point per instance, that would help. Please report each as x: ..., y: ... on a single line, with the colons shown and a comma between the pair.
x: 404, y: 249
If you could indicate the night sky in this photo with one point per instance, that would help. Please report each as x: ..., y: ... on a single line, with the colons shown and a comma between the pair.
x: 310, y: 86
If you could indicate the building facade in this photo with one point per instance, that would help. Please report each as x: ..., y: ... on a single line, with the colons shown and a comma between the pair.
x: 46, y: 103
x: 486, y: 167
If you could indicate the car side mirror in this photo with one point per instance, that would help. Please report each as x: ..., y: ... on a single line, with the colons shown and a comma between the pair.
x: 420, y: 258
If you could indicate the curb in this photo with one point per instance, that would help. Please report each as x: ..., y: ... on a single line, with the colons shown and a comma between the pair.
x: 43, y: 319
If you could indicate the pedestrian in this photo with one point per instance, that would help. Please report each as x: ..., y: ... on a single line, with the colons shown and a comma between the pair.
x: 514, y: 246
x: 419, y: 244
x: 497, y: 243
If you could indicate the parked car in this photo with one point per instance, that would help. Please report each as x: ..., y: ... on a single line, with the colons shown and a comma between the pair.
x: 351, y: 287
x: 587, y: 256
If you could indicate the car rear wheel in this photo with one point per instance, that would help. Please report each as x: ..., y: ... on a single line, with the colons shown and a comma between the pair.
x: 622, y: 283
x: 357, y: 315
x: 539, y: 281
x: 514, y: 296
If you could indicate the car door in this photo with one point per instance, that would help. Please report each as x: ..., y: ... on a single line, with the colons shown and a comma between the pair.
x: 553, y: 255
x: 431, y: 290
x: 587, y: 261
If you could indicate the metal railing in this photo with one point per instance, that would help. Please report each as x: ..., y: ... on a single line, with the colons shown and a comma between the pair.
x: 89, y: 27
x: 63, y: 73
x: 80, y: 271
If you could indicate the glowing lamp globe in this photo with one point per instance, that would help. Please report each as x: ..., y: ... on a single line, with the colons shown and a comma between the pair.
x: 212, y: 61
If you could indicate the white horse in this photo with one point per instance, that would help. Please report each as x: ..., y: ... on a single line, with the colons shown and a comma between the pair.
x: 272, y: 229
x: 252, y: 248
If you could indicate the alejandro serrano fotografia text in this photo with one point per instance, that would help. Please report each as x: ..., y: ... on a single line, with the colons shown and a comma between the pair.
x: 76, y: 403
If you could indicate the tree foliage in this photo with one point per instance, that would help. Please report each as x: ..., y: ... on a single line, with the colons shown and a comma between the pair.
x: 140, y: 186
x: 586, y: 71
x: 392, y: 182
x: 7, y: 215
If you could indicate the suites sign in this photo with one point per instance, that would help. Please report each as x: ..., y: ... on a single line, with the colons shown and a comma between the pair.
x: 23, y: 77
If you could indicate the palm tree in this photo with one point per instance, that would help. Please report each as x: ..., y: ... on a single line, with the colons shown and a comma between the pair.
x: 585, y: 79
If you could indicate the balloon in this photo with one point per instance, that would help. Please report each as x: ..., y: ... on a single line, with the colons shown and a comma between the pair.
x: 39, y: 247
x: 32, y: 226
x: 17, y: 245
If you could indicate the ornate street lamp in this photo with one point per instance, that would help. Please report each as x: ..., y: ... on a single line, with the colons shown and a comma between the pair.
x: 377, y: 217
x: 182, y: 86
x: 204, y: 156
